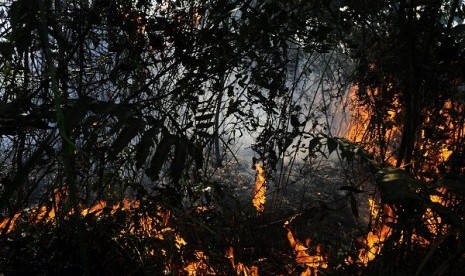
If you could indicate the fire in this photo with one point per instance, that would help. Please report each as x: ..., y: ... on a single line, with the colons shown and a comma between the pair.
x: 9, y: 223
x: 142, y: 224
x: 312, y: 262
x: 146, y: 225
x: 433, y: 221
x: 240, y: 268
x: 437, y: 131
x: 259, y: 198
x: 357, y: 132
x: 381, y: 133
x: 39, y: 213
x: 361, y: 120
x: 373, y: 243
x: 199, y: 266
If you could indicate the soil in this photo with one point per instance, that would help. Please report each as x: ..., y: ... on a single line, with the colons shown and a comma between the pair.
x: 311, y: 202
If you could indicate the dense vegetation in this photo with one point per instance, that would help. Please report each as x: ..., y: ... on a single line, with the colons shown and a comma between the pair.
x: 137, y: 107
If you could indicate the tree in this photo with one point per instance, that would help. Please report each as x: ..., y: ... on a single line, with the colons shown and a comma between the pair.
x: 409, y: 76
x: 105, y: 99
x: 409, y: 81
x: 127, y: 93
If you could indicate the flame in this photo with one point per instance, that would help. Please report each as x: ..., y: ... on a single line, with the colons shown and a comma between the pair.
x: 199, y: 266
x: 361, y: 119
x: 433, y: 139
x: 240, y: 268
x: 39, y: 213
x: 96, y: 210
x: 302, y: 257
x: 434, y: 147
x: 357, y: 132
x: 433, y: 221
x: 146, y: 225
x: 141, y: 224
x: 259, y: 190
x: 373, y: 242
x: 10, y: 223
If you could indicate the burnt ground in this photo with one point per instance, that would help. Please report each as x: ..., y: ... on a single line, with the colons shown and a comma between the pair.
x: 311, y: 199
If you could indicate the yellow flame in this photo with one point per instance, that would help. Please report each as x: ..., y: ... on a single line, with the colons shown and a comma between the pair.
x: 313, y: 262
x: 357, y: 129
x: 199, y: 266
x: 240, y: 268
x: 259, y: 198
x: 10, y: 223
x: 436, y: 151
x: 373, y: 242
x: 146, y: 225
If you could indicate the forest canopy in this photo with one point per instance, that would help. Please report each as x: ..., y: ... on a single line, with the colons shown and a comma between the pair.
x: 136, y: 107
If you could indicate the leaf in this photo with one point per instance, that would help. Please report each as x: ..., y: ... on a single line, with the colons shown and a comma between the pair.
x: 287, y: 142
x: 455, y: 185
x: 458, y: 30
x: 22, y: 38
x: 353, y: 205
x: 421, y: 229
x: 101, y: 107
x: 130, y: 130
x: 204, y: 117
x: 21, y: 177
x: 179, y: 161
x: 351, y: 189
x: 204, y: 134
x: 154, y: 122
x: 123, y: 111
x: 23, y: 10
x: 313, y: 144
x: 365, y: 155
x: 143, y: 148
x: 233, y: 107
x: 204, y: 125
x: 397, y: 185
x: 75, y: 114
x: 332, y: 144
x: 6, y: 50
x: 196, y: 153
x: 446, y: 214
x: 159, y: 157
x: 347, y: 149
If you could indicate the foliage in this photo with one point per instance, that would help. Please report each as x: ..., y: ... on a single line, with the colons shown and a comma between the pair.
x: 410, y: 78
x: 109, y: 100
x: 138, y: 99
x: 425, y: 216
x: 127, y: 238
x: 123, y: 94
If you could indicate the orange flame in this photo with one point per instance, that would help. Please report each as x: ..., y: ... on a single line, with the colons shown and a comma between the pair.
x: 10, y: 223
x: 433, y: 140
x: 313, y: 262
x: 240, y: 268
x: 259, y: 198
x: 374, y: 241
x: 200, y: 266
x: 146, y: 225
x: 360, y: 121
x: 435, y: 151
